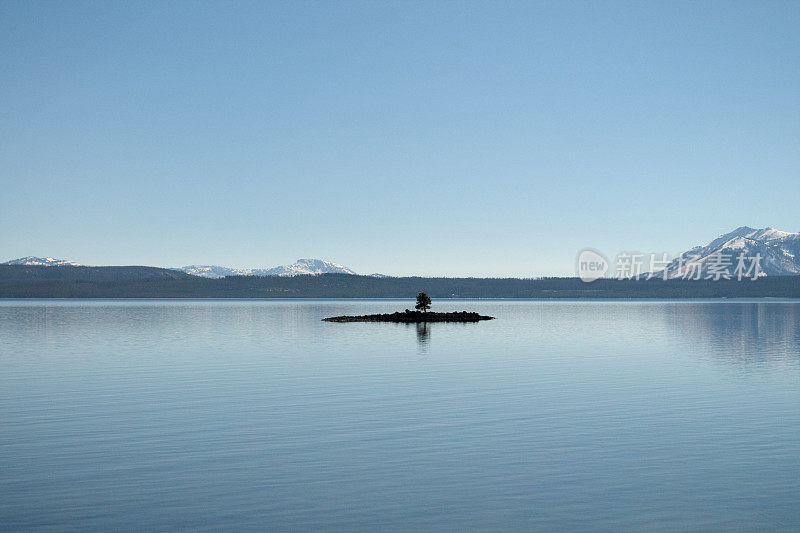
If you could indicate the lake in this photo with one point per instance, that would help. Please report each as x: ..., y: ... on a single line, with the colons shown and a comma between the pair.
x: 252, y: 415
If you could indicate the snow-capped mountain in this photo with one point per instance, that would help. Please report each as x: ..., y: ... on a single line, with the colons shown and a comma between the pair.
x: 298, y: 268
x: 779, y: 252
x: 40, y: 261
x: 309, y: 266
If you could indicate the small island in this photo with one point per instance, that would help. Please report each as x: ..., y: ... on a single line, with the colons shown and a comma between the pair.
x: 408, y: 316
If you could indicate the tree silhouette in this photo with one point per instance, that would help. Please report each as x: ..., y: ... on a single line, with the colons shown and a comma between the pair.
x: 423, y: 301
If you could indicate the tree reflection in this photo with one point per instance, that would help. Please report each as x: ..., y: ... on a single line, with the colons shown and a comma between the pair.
x: 423, y: 333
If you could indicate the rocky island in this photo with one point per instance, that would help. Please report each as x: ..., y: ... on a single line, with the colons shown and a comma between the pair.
x: 412, y: 316
x: 408, y: 316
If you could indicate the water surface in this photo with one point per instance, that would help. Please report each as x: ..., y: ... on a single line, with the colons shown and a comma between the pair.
x: 559, y: 415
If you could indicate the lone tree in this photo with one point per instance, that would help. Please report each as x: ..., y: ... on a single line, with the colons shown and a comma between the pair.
x: 423, y: 301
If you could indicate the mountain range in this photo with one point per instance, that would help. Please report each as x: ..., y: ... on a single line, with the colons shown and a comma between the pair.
x: 300, y: 267
x: 779, y: 253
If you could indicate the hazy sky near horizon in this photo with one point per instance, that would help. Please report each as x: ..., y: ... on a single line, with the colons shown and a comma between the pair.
x: 433, y: 138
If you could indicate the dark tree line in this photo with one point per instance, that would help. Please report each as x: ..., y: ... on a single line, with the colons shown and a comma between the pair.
x: 148, y: 284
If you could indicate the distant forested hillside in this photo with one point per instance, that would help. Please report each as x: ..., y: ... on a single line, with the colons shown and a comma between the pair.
x: 147, y: 282
x: 33, y: 273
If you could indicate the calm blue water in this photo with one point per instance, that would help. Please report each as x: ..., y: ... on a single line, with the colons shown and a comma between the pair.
x: 559, y: 415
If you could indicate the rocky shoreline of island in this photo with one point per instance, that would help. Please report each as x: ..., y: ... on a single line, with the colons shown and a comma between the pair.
x: 409, y: 316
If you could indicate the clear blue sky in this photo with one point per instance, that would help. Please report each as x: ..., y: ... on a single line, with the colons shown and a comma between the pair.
x: 455, y: 138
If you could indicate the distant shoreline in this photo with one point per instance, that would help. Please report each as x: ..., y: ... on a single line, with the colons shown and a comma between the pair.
x: 791, y: 299
x: 150, y: 282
